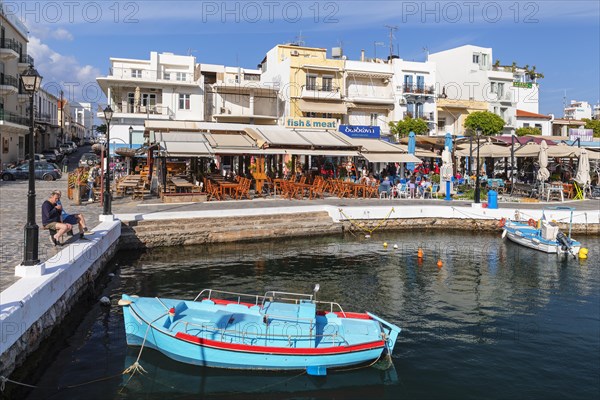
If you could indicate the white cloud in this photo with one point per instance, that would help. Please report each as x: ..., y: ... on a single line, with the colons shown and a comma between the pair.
x: 62, y: 34
x: 63, y: 71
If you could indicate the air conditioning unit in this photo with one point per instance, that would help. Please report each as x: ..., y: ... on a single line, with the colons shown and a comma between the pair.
x: 225, y: 110
x: 402, y: 101
x: 295, y: 53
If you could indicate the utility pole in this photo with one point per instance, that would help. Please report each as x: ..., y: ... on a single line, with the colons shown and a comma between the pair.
x: 392, y: 29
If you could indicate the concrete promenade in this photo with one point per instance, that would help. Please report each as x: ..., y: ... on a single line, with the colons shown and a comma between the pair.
x: 13, y: 212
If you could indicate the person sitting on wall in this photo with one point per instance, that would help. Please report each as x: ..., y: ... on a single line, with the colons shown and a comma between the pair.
x: 73, y: 219
x: 51, y: 214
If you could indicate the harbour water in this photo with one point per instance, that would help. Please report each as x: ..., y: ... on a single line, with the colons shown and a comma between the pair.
x: 495, y: 321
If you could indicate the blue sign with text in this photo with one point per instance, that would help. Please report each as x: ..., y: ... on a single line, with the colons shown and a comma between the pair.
x: 361, y: 131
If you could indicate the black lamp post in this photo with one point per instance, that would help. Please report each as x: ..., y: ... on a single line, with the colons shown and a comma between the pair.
x: 477, y: 188
x: 31, y: 82
x: 62, y: 117
x: 108, y: 114
x: 130, y: 135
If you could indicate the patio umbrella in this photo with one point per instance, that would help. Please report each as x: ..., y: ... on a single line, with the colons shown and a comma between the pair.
x: 446, y: 170
x: 583, y: 169
x: 136, y: 97
x: 448, y: 142
x: 412, y: 145
x: 543, y: 173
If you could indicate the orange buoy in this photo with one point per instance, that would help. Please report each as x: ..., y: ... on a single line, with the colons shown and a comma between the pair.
x: 532, y: 222
x: 420, y: 253
x: 440, y: 264
x: 502, y: 222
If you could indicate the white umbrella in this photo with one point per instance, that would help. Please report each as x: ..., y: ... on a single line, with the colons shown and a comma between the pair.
x: 543, y: 173
x: 583, y: 169
x: 136, y: 97
x: 446, y: 170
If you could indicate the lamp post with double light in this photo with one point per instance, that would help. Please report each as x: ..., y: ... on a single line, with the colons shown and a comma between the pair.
x: 108, y: 114
x: 477, y: 196
x: 130, y: 135
x: 31, y: 82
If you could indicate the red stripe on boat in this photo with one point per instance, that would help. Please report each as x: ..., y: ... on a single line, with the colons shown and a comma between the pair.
x: 346, y: 315
x: 278, y: 350
x: 225, y: 302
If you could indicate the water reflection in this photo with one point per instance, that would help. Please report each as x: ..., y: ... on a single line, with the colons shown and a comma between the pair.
x: 494, y: 318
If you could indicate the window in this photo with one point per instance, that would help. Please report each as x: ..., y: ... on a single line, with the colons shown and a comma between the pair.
x: 149, y: 99
x: 420, y: 82
x: 311, y: 82
x: 311, y: 114
x: 408, y: 81
x: 327, y: 83
x: 441, y: 124
x: 500, y: 90
x: 327, y: 115
x: 494, y: 87
x: 180, y: 76
x: 410, y: 109
x: 374, y: 117
x: 538, y: 126
x: 419, y: 110
x: 184, y: 101
x: 136, y: 73
x: 525, y: 125
x: 167, y: 76
x: 476, y: 58
x: 484, y: 60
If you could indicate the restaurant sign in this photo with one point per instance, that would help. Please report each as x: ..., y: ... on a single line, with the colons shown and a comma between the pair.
x: 584, y: 135
x: 311, y: 123
x: 361, y: 131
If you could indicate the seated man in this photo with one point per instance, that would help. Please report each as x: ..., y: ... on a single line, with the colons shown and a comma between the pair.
x: 73, y: 219
x: 51, y: 212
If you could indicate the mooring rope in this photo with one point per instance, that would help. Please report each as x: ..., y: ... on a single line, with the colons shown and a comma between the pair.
x: 369, y: 231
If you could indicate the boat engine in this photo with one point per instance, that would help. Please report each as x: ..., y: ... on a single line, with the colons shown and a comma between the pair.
x: 564, y: 241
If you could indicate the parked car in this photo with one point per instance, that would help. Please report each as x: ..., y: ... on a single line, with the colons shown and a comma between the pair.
x: 66, y: 149
x: 38, y: 157
x: 43, y: 170
x: 50, y: 156
x: 89, y: 159
x: 72, y: 144
x: 59, y: 154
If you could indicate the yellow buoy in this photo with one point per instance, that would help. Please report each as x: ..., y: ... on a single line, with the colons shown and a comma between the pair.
x: 583, y: 252
x: 420, y: 253
x: 384, y: 244
x: 440, y: 264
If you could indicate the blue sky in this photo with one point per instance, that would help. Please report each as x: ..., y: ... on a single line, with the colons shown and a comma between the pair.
x: 73, y: 40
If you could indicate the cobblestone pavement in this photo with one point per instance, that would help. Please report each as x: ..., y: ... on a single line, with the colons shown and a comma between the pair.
x: 13, y: 213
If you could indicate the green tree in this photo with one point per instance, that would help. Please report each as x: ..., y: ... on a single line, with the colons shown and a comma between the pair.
x: 593, y: 124
x: 528, y: 131
x: 488, y: 122
x: 101, y: 129
x: 403, y: 128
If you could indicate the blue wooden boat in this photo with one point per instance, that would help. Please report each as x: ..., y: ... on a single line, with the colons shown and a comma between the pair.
x: 277, y: 331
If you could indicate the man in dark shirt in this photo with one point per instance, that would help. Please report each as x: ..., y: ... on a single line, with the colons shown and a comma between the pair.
x: 51, y: 212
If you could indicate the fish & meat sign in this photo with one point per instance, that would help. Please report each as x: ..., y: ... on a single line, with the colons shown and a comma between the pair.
x: 311, y: 123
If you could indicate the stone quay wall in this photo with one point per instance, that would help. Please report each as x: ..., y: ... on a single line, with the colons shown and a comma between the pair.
x: 33, y: 306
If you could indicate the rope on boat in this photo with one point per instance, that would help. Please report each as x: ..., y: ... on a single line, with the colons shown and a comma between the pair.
x: 4, y: 379
x: 136, y: 366
x: 369, y: 231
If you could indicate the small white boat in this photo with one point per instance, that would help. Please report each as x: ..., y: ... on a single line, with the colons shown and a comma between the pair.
x: 540, y: 235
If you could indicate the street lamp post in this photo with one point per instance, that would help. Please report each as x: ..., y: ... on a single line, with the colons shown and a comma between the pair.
x: 62, y: 117
x: 31, y: 81
x: 477, y: 188
x: 130, y: 135
x: 108, y: 113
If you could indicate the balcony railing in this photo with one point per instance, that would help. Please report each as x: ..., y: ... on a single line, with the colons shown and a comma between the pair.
x: 157, y: 109
x: 26, y: 59
x: 8, y: 43
x: 324, y: 88
x: 13, y: 118
x: 422, y: 115
x: 150, y: 75
x: 418, y: 89
x: 8, y: 80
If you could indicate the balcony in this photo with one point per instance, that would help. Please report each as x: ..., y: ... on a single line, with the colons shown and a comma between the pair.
x: 506, y: 97
x: 370, y: 97
x: 6, y: 116
x: 418, y: 90
x: 157, y: 111
x: 9, y: 49
x: 8, y: 84
x: 326, y: 92
x: 148, y: 75
x: 423, y: 115
x: 25, y: 61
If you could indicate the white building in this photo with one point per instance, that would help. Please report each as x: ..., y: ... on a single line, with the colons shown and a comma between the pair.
x: 465, y: 75
x: 14, y: 116
x: 542, y: 122
x: 596, y: 113
x: 414, y: 92
x: 236, y: 95
x: 165, y: 87
x: 578, y: 110
x: 525, y: 88
x: 369, y: 94
x: 87, y: 112
x: 46, y: 120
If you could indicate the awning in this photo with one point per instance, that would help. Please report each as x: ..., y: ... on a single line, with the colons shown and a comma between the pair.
x: 183, y: 144
x: 391, y: 157
x: 323, y: 138
x: 322, y: 107
x: 232, y: 143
